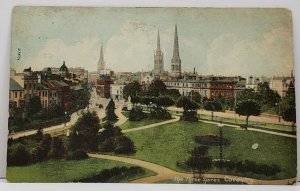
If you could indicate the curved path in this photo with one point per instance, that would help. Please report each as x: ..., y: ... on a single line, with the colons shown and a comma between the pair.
x: 121, y: 118
x: 253, y: 129
x: 163, y: 173
x: 176, y: 118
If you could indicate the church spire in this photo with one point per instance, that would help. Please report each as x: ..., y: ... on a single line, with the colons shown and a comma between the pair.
x: 176, y: 46
x: 101, y: 63
x: 158, y: 42
x: 176, y: 61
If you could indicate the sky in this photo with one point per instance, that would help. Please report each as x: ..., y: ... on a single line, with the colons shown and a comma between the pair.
x: 214, y: 41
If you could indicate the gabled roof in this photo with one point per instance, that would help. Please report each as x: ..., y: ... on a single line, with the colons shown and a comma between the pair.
x: 41, y: 87
x: 14, y: 86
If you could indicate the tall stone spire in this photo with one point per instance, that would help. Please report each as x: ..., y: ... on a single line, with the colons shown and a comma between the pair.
x: 158, y: 58
x: 158, y: 42
x: 176, y: 46
x: 101, y: 63
x: 176, y: 61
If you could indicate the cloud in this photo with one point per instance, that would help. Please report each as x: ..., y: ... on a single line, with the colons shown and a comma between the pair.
x: 84, y: 53
x: 272, y: 55
x: 132, y: 49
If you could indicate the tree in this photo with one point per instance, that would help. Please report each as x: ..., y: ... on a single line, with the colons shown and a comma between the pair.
x: 156, y: 87
x: 18, y: 155
x: 195, y: 96
x: 189, y: 108
x: 110, y: 111
x: 34, y: 105
x: 248, y: 94
x: 39, y: 135
x: 40, y: 152
x: 288, y: 106
x: 131, y: 89
x: 164, y: 101
x: 173, y: 93
x: 268, y: 97
x: 57, y: 148
x: 186, y: 103
x: 212, y: 105
x: 248, y: 108
x: 124, y: 145
x: 85, y: 131
x: 199, y: 160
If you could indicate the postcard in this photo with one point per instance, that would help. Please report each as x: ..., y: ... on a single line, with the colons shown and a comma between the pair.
x: 152, y: 95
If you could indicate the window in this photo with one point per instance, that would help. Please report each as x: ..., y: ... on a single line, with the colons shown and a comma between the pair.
x: 21, y: 94
x: 9, y: 94
x: 16, y: 94
x: 40, y: 94
x: 29, y: 85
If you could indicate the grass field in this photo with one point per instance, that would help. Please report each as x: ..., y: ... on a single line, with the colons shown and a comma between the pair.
x: 64, y: 171
x: 171, y: 143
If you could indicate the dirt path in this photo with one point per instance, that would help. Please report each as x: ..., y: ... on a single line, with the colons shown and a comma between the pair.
x: 232, y: 115
x: 163, y: 173
x: 122, y: 119
x: 253, y: 129
x: 176, y: 118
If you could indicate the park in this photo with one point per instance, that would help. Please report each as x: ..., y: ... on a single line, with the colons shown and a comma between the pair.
x: 157, y: 141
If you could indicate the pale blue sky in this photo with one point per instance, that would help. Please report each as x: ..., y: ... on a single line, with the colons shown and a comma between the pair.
x: 215, y: 41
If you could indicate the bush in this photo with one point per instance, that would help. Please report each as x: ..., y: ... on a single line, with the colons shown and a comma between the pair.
x: 116, y: 174
x: 124, y: 145
x: 249, y: 166
x: 18, y: 155
x: 137, y: 114
x: 189, y: 115
x: 160, y: 113
x: 108, y: 145
x: 77, y: 155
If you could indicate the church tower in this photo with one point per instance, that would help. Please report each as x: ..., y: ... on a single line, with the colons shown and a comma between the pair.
x: 101, y: 63
x: 176, y: 61
x: 158, y: 59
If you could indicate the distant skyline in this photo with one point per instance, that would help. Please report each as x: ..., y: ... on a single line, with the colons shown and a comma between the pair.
x: 214, y: 41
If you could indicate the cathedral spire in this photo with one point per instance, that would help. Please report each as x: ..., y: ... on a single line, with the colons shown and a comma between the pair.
x: 158, y: 42
x: 101, y: 63
x: 158, y: 58
x: 176, y: 61
x: 176, y: 46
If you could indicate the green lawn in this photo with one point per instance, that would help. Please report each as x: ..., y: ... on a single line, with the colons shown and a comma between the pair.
x: 171, y: 143
x: 133, y: 124
x: 64, y: 171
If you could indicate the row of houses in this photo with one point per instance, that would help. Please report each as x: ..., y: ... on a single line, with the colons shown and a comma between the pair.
x: 52, y: 88
x: 207, y: 86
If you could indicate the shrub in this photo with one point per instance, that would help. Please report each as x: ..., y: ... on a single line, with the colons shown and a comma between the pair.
x: 249, y: 166
x: 77, y: 155
x: 124, y: 145
x: 18, y: 155
x: 189, y: 115
x: 116, y: 174
x: 108, y: 145
x: 160, y: 113
x: 137, y: 114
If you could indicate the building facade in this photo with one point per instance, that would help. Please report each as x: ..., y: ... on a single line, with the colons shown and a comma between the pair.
x: 103, y: 86
x: 116, y: 91
x: 281, y: 84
